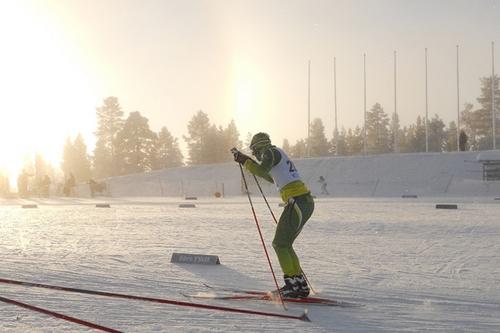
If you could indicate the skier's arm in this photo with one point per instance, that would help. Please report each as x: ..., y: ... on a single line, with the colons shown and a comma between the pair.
x: 262, y: 170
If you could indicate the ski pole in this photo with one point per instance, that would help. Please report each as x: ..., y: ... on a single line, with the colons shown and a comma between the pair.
x: 59, y: 315
x: 260, y: 234
x: 265, y: 199
x: 276, y: 222
x: 302, y: 317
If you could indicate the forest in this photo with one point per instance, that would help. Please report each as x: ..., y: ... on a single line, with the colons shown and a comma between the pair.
x: 128, y: 145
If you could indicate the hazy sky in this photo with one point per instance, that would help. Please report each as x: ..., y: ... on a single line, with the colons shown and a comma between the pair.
x: 241, y: 60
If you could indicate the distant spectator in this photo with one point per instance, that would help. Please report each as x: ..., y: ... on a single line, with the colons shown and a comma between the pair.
x: 323, y: 183
x: 96, y: 187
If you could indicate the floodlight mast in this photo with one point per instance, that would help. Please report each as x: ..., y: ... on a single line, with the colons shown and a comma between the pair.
x: 493, y: 115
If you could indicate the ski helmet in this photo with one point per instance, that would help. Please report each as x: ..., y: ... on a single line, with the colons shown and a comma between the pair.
x: 259, y: 142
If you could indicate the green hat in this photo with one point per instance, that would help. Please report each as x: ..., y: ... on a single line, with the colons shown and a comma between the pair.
x: 259, y: 142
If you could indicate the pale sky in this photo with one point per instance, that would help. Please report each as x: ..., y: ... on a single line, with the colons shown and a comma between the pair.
x: 241, y: 60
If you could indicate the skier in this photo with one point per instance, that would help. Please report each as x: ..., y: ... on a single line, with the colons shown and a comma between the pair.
x: 276, y: 167
x: 323, y: 183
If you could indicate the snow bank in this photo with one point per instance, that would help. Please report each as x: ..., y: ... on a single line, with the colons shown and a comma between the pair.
x: 390, y: 175
x: 492, y: 155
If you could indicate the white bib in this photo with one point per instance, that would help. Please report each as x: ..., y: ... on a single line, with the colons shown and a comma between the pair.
x: 284, y: 172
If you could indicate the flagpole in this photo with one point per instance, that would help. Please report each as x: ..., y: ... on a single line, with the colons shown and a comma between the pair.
x: 336, y: 132
x: 493, y: 115
x: 426, y: 108
x: 458, y: 103
x: 308, y: 150
x: 364, y: 90
x: 395, y: 129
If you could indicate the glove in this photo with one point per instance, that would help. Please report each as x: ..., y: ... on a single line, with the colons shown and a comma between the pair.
x: 239, y: 156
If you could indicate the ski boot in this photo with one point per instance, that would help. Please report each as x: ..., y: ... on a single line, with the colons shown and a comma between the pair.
x: 303, y: 288
x: 295, y: 287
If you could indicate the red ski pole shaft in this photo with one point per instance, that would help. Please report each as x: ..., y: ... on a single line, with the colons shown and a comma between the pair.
x: 276, y: 222
x: 59, y: 315
x: 152, y: 299
x: 261, y: 237
x: 265, y: 200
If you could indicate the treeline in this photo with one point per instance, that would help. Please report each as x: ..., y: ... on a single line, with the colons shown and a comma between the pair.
x: 125, y: 146
x: 384, y: 133
x: 128, y: 145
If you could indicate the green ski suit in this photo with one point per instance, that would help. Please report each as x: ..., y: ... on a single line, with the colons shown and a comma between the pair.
x: 277, y: 168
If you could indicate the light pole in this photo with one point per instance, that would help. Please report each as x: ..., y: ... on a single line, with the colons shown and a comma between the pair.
x: 458, y: 104
x: 309, y: 109
x: 364, y: 103
x: 426, y: 108
x: 395, y: 129
x: 493, y: 115
x: 336, y: 132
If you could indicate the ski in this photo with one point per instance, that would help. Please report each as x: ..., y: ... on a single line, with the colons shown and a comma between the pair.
x: 236, y: 290
x: 272, y: 298
x: 302, y: 317
x: 267, y: 296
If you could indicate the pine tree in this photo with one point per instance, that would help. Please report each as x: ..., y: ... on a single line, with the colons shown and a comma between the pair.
x: 168, y: 152
x: 211, y: 150
x: 354, y: 141
x: 135, y: 145
x: 286, y: 146
x: 299, y: 150
x: 217, y: 149
x: 483, y: 121
x: 75, y: 159
x: 378, y: 137
x: 395, y: 133
x: 468, y: 117
x: 416, y: 136
x: 198, y: 129
x: 67, y: 158
x: 403, y: 140
x: 41, y: 167
x: 82, y: 160
x: 109, y: 123
x: 437, y: 135
x: 230, y: 138
x: 318, y: 144
x: 451, y: 137
x: 208, y: 143
x: 341, y: 143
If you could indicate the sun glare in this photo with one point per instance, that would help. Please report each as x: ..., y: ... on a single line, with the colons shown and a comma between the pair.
x: 245, y: 85
x: 244, y: 101
x: 45, y: 93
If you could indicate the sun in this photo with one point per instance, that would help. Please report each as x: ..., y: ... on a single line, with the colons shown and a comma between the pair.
x: 246, y: 95
x: 46, y: 94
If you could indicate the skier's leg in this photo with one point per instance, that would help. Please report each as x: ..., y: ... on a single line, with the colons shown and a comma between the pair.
x: 293, y: 218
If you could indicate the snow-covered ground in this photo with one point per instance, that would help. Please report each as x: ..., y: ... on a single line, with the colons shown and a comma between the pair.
x: 412, y: 267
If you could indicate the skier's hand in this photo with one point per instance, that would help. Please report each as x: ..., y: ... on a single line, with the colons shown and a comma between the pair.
x: 239, y: 156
